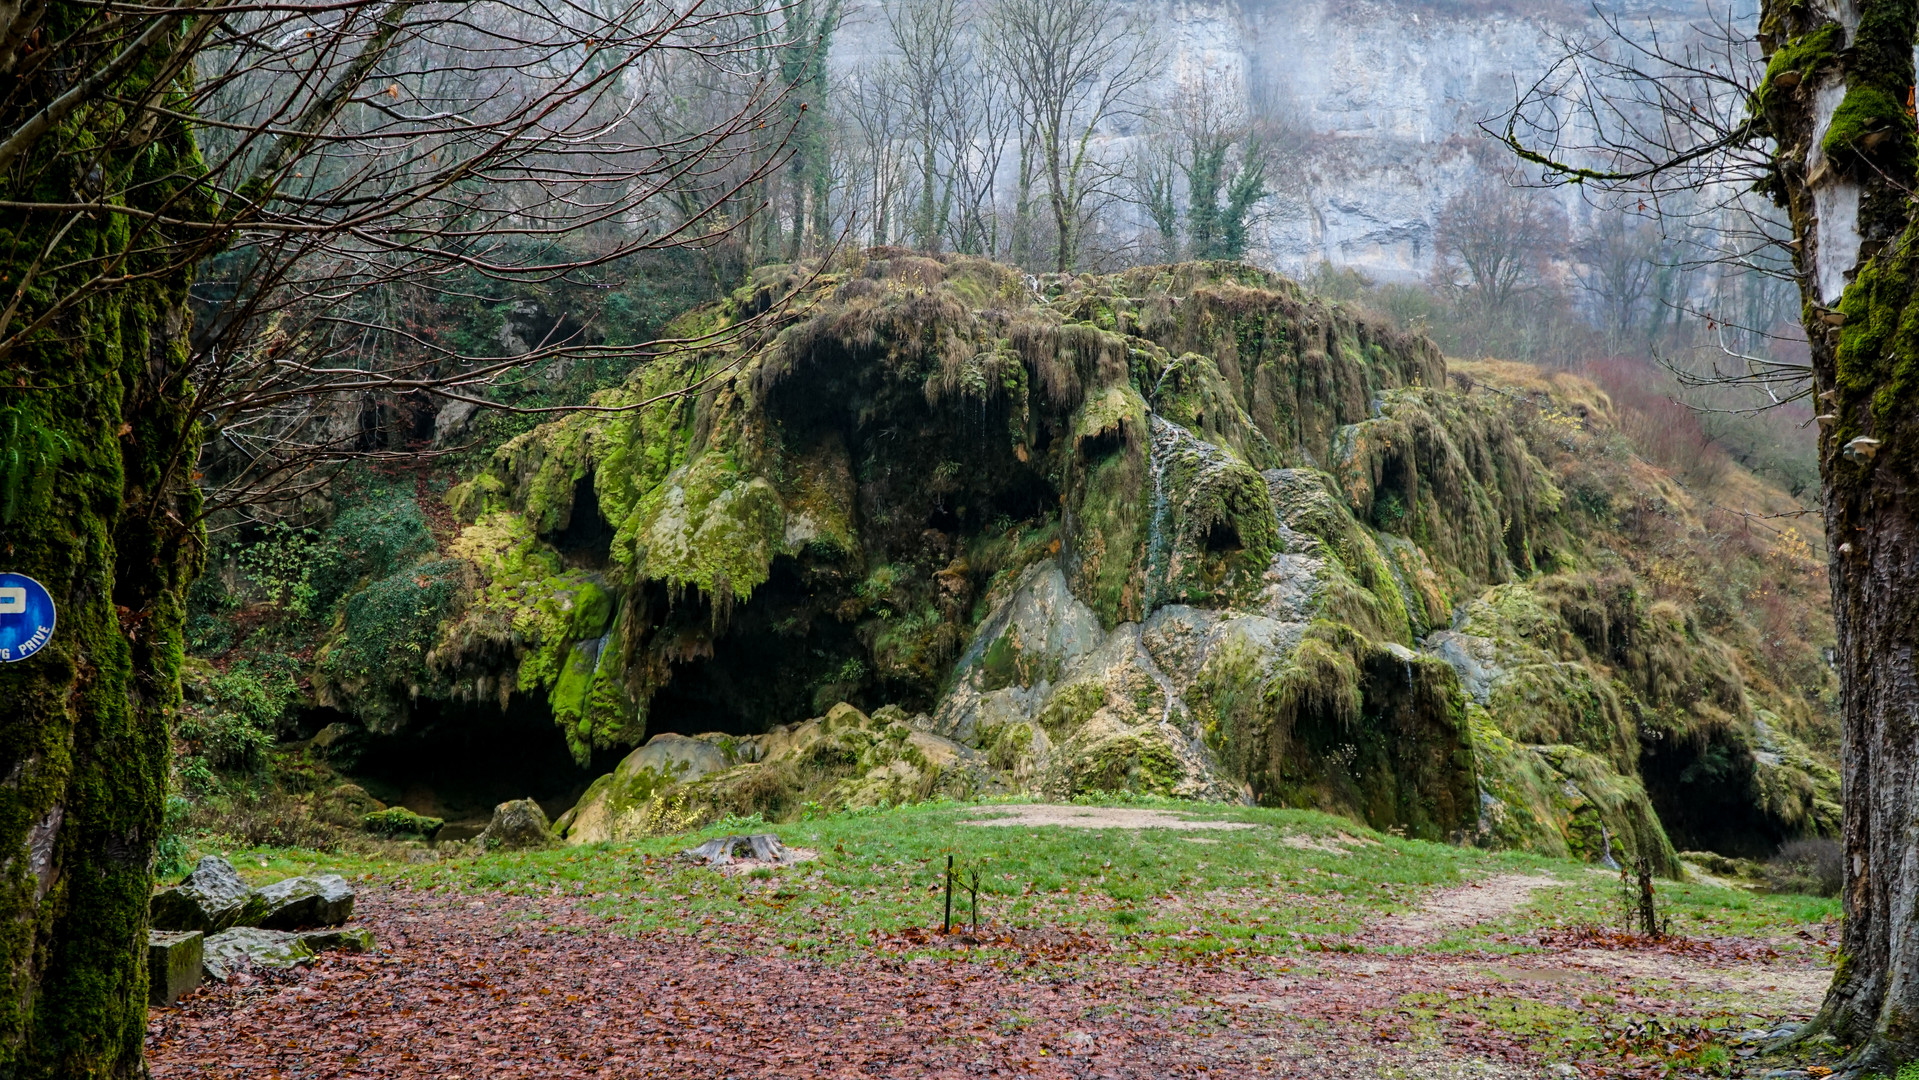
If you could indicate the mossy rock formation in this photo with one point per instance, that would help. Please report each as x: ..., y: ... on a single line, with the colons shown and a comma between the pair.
x: 1180, y: 530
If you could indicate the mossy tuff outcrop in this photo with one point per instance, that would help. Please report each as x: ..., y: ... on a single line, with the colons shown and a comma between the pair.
x: 1180, y: 530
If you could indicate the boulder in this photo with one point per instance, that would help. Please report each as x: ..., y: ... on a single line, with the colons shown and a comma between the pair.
x: 256, y: 947
x: 297, y: 902
x: 516, y: 825
x: 666, y: 759
x: 251, y: 947
x: 398, y: 821
x: 173, y: 964
x: 211, y: 899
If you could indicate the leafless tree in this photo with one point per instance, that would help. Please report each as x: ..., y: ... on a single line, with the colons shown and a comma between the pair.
x: 354, y: 152
x: 1203, y: 168
x: 1493, y: 244
x: 1616, y: 262
x: 1074, y: 66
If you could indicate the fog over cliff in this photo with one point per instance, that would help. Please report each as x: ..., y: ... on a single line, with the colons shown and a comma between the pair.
x: 1384, y: 96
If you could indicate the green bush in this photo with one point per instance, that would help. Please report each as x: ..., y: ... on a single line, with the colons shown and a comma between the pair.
x: 231, y: 719
x: 392, y: 623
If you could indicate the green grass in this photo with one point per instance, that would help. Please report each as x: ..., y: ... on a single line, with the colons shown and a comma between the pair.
x: 1150, y: 892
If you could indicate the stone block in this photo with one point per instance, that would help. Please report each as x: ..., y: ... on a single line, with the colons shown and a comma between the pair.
x: 173, y: 964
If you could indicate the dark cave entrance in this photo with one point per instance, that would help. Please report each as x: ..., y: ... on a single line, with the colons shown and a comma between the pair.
x: 1705, y: 795
x: 458, y: 761
x: 781, y: 657
x: 586, y: 542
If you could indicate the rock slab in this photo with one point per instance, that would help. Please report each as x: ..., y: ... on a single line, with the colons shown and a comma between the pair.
x: 516, y: 825
x: 299, y: 902
x: 174, y: 959
x: 210, y: 900
x: 251, y: 947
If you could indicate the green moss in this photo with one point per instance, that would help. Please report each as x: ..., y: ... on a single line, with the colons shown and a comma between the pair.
x: 1802, y: 55
x: 386, y: 632
x: 1071, y: 706
x: 1137, y: 763
x: 1870, y: 112
x: 710, y: 527
x: 398, y: 821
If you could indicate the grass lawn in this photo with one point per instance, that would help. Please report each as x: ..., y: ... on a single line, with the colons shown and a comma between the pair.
x: 1291, y: 882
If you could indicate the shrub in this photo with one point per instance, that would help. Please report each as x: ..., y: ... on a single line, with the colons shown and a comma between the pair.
x: 1814, y: 866
x: 272, y: 820
x: 232, y: 718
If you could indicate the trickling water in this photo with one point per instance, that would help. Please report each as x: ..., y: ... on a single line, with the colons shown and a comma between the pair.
x: 1160, y: 384
x: 1156, y: 543
x: 1201, y: 458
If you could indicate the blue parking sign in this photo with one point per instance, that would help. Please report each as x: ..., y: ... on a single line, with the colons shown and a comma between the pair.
x: 26, y: 617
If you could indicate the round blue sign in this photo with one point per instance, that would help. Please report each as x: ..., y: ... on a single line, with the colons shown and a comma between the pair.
x: 26, y: 617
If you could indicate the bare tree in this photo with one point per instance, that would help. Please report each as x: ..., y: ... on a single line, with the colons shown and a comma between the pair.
x: 1210, y: 145
x: 926, y: 36
x: 1493, y: 244
x: 1074, y: 65
x: 1616, y: 262
x: 316, y: 165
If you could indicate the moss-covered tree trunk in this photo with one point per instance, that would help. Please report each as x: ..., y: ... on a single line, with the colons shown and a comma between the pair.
x: 1836, y: 97
x: 100, y: 509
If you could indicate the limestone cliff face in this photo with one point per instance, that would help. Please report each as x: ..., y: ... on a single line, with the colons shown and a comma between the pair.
x: 1383, y: 97
x: 1181, y: 530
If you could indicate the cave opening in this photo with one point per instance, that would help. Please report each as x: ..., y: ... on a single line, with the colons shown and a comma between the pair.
x: 1222, y: 537
x: 782, y: 657
x: 586, y: 542
x: 458, y: 761
x: 1705, y: 793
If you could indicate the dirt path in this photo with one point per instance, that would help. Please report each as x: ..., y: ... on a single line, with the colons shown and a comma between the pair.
x: 528, y: 988
x: 1095, y: 817
x: 1453, y: 909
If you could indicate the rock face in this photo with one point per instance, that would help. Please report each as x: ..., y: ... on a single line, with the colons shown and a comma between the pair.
x: 947, y: 529
x: 174, y: 958
x: 249, y: 946
x: 845, y: 758
x: 211, y: 899
x: 1382, y: 113
x: 516, y: 825
x: 298, y: 902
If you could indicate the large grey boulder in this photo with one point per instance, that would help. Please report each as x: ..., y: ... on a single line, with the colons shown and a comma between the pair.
x: 298, y: 902
x: 211, y: 899
x: 516, y: 825
x: 174, y: 958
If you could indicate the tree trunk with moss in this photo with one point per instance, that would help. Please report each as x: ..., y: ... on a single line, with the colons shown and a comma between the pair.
x: 99, y: 507
x: 1836, y: 99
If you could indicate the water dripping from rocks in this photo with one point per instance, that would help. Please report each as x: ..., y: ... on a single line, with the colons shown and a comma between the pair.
x: 1157, y: 554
